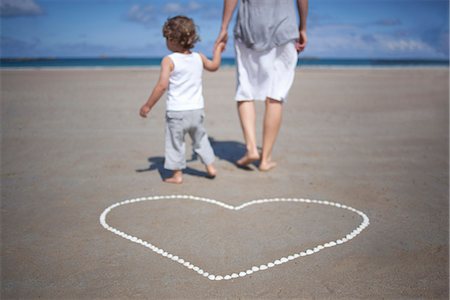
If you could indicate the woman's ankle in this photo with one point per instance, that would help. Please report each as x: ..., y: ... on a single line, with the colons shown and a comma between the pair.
x: 252, y: 153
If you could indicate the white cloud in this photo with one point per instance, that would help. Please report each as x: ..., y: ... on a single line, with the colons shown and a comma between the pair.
x: 141, y: 14
x: 177, y: 8
x: 19, y: 8
x: 350, y: 42
x: 194, y: 6
x: 173, y: 8
x: 406, y: 45
x: 16, y: 47
x: 147, y: 14
x: 388, y: 22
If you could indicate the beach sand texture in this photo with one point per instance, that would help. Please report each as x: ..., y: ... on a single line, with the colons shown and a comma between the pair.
x: 373, y: 139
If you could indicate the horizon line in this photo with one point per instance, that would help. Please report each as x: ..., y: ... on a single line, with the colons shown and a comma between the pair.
x: 228, y: 57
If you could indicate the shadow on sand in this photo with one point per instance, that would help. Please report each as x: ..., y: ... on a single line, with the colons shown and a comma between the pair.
x: 229, y: 151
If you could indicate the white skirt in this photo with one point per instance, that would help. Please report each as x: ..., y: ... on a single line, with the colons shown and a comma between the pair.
x: 265, y: 74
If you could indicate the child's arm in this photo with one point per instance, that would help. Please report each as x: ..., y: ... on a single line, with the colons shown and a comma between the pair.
x: 213, y: 65
x: 160, y: 87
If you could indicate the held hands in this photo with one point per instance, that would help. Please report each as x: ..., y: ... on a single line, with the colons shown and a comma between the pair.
x: 219, y: 47
x: 222, y: 38
x: 145, y: 109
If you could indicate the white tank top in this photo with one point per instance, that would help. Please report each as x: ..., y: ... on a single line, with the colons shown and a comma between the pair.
x: 185, y: 82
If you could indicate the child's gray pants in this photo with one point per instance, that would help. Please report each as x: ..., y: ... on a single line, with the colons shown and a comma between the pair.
x: 178, y: 123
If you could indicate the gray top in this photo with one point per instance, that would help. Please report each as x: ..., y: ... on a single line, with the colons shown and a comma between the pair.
x: 265, y: 24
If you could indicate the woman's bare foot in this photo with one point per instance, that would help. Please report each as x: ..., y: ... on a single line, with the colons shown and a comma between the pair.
x: 211, y: 170
x: 267, y: 166
x: 177, y: 177
x: 247, y: 159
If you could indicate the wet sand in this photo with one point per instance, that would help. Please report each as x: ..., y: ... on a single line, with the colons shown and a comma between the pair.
x: 373, y: 139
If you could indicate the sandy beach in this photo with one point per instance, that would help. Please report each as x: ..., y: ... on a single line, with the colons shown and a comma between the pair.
x: 373, y: 139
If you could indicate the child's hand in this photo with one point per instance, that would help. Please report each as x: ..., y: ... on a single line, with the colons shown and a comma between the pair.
x: 221, y: 46
x: 144, y: 111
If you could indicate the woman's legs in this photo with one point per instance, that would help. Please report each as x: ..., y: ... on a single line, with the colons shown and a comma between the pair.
x: 272, y: 122
x: 247, y: 116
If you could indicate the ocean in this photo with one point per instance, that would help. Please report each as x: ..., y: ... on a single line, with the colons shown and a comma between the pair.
x: 155, y: 62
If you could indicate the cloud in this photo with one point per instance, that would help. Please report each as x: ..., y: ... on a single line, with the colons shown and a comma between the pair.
x: 177, y: 8
x: 148, y: 14
x: 145, y: 14
x: 322, y: 21
x: 173, y: 8
x: 19, y: 8
x: 351, y: 42
x: 437, y: 37
x: 388, y: 22
x: 193, y: 6
x: 13, y: 47
x: 405, y: 45
x: 368, y: 38
x: 87, y: 49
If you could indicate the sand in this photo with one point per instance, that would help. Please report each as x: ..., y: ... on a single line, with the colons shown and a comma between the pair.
x: 373, y: 139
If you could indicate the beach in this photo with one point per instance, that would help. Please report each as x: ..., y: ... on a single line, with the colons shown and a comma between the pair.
x: 373, y: 139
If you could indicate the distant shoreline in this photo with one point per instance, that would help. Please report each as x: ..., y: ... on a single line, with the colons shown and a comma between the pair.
x: 228, y: 67
x: 154, y: 62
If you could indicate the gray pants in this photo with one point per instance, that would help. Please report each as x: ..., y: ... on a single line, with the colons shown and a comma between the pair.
x: 178, y: 123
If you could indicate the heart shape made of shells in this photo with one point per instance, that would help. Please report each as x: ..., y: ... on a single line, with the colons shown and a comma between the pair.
x: 241, y: 273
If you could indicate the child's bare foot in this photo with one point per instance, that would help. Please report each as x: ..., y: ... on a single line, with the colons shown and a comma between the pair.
x: 177, y: 177
x: 267, y: 166
x: 211, y: 170
x: 248, y: 158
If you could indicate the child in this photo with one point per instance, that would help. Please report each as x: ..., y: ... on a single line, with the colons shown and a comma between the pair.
x: 181, y: 76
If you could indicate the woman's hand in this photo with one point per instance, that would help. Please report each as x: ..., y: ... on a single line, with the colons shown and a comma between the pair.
x: 222, y: 38
x: 300, y: 44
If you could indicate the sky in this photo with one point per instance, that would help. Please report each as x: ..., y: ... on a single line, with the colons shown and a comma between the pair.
x: 387, y: 29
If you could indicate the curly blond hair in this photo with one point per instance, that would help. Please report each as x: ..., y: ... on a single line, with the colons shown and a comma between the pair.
x: 182, y: 31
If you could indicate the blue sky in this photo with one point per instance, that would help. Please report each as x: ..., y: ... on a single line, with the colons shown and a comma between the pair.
x: 132, y: 28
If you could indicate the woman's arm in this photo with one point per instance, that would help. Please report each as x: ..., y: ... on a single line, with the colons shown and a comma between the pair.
x: 228, y: 9
x: 160, y: 87
x: 302, y: 6
x: 213, y: 65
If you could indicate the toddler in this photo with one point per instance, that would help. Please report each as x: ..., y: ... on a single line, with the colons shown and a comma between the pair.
x: 181, y: 76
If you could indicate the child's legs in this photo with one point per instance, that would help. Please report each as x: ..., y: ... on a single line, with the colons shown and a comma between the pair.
x: 175, y: 145
x: 200, y: 141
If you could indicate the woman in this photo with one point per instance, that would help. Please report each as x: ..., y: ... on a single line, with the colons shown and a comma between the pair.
x: 267, y: 43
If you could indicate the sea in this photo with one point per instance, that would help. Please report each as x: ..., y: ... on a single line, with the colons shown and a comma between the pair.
x: 154, y: 62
